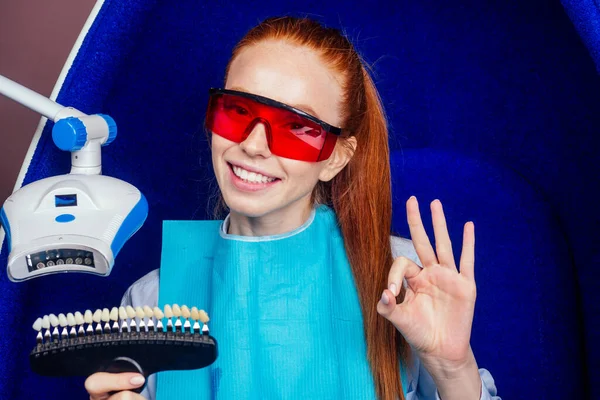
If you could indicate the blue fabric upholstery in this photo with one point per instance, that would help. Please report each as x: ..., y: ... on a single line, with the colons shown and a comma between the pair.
x: 585, y: 15
x: 493, y: 108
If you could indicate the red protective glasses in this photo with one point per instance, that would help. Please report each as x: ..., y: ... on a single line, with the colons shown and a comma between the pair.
x: 291, y: 133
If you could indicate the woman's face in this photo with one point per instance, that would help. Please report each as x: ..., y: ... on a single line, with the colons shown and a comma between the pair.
x: 295, y: 76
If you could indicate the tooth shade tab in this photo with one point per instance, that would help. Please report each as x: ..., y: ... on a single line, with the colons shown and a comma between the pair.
x: 53, y: 320
x: 176, y: 311
x: 62, y: 320
x: 168, y: 311
x: 97, y: 317
x: 114, y: 314
x: 71, y: 319
x: 37, y: 325
x: 185, y: 312
x: 122, y: 313
x: 79, y: 319
x: 195, y: 314
x: 46, y: 322
x: 148, y: 312
x: 158, y: 313
x: 88, y: 317
x: 130, y: 312
x: 139, y: 312
x: 203, y: 316
x: 105, y: 315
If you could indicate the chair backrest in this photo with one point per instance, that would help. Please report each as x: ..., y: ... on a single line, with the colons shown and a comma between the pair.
x: 500, y: 78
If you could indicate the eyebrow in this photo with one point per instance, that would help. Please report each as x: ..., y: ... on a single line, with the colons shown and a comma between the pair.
x: 303, y: 107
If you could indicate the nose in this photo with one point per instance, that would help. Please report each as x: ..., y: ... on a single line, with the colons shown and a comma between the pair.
x: 257, y: 143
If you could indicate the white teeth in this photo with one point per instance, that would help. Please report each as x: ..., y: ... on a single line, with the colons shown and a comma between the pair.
x: 203, y: 316
x: 158, y: 313
x: 168, y: 311
x: 79, y: 318
x: 37, y: 325
x: 46, y: 322
x: 148, y: 312
x: 114, y: 314
x: 195, y: 314
x: 53, y: 320
x: 87, y: 317
x: 71, y: 319
x: 122, y: 313
x: 105, y: 316
x: 62, y: 320
x: 97, y: 317
x: 251, y: 177
x: 139, y: 312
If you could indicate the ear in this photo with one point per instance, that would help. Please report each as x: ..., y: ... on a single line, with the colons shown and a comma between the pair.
x: 341, y: 156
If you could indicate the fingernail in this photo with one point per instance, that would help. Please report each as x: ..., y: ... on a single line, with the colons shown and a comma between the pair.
x: 393, y: 289
x: 384, y: 299
x: 137, y: 380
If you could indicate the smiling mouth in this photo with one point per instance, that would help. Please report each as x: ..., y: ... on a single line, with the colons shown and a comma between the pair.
x: 249, y: 176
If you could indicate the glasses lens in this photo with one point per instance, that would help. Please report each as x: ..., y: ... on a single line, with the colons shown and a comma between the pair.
x: 293, y: 135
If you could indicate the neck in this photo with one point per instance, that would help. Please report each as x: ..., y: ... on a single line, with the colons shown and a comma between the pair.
x: 273, y: 223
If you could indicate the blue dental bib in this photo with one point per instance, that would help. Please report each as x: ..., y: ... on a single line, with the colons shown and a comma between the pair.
x: 284, y: 311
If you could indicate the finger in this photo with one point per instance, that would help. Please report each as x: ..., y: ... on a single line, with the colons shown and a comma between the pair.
x: 443, y: 245
x: 386, y: 304
x: 126, y: 395
x: 467, y: 257
x: 395, y: 313
x: 100, y: 384
x: 401, y: 268
x: 418, y: 234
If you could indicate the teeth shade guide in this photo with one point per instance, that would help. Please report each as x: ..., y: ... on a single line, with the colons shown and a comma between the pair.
x: 123, y: 348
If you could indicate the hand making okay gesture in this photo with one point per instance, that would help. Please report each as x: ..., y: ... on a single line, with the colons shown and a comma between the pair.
x: 437, y: 312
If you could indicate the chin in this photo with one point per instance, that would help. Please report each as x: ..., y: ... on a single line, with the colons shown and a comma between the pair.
x: 252, y: 208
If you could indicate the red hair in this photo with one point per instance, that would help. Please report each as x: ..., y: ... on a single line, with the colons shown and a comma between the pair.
x: 361, y: 193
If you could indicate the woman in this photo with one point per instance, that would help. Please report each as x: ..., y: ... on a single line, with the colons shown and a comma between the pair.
x: 305, y: 250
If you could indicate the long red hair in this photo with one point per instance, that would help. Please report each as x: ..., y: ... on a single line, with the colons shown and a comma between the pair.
x: 361, y: 193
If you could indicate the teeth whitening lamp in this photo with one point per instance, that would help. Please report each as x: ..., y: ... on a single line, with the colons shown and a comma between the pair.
x: 76, y: 222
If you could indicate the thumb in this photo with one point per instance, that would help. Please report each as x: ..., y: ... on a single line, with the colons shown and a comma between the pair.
x: 101, y: 384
